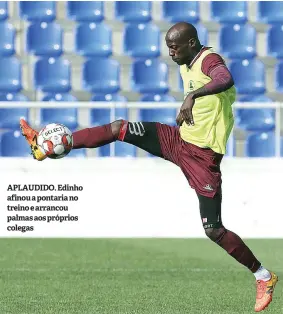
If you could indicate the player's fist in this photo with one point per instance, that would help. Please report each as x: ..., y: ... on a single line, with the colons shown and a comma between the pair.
x: 186, y: 111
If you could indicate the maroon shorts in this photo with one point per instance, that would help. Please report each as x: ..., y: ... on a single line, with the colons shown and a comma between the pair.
x: 201, y: 166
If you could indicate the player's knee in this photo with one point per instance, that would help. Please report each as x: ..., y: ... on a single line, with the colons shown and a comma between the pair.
x: 116, y: 127
x: 215, y: 234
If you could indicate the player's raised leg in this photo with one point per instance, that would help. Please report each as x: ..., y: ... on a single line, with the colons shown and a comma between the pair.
x: 86, y: 138
x: 141, y: 134
x: 148, y: 136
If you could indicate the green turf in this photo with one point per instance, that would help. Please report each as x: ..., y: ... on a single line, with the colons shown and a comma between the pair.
x: 133, y: 276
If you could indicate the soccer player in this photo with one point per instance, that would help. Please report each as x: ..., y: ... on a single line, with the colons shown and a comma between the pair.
x: 197, y: 144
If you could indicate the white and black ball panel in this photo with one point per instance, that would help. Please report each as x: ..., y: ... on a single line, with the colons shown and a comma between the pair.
x: 48, y: 147
x: 56, y: 140
x: 59, y: 149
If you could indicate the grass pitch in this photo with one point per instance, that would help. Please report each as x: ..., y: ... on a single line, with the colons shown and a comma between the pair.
x: 130, y: 276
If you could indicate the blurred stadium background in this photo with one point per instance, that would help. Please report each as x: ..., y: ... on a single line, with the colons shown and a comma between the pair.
x: 90, y: 52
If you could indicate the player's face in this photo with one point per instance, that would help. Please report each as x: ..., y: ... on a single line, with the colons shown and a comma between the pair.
x: 181, y: 53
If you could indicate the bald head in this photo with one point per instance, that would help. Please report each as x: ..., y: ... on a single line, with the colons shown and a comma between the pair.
x: 182, y: 32
x: 183, y: 43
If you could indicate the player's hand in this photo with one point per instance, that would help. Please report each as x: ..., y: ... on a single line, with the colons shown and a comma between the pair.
x: 186, y: 111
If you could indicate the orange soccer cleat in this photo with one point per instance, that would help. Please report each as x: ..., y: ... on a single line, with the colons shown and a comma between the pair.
x: 31, y: 137
x: 265, y: 291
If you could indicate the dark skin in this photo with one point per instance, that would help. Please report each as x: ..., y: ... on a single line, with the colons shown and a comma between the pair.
x: 184, y: 45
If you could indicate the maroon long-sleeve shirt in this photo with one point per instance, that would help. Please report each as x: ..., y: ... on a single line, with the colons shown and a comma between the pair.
x: 214, y: 67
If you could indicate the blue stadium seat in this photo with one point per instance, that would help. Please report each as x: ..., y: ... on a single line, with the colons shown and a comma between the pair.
x: 109, y: 97
x: 52, y: 75
x: 275, y: 41
x: 100, y: 116
x: 133, y: 11
x: 77, y: 153
x: 93, y: 81
x: 202, y: 34
x: 150, y: 76
x: 7, y: 39
x: 66, y: 116
x: 9, y: 117
x: 4, y: 14
x: 142, y: 40
x: 85, y: 11
x: 45, y: 39
x: 252, y: 119
x: 13, y: 144
x: 59, y: 97
x: 249, y: 76
x: 257, y: 98
x: 38, y: 10
x: 93, y: 40
x: 121, y: 149
x: 229, y: 11
x: 166, y: 115
x: 270, y: 12
x: 256, y: 119
x: 238, y: 41
x: 262, y: 145
x: 181, y: 11
x: 13, y: 97
x: 10, y: 75
x: 279, y: 76
x: 157, y: 115
x: 158, y: 98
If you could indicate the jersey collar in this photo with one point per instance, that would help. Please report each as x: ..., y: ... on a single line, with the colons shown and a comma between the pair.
x: 202, y: 49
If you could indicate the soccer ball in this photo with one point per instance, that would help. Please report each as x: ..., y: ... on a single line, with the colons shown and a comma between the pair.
x: 55, y: 140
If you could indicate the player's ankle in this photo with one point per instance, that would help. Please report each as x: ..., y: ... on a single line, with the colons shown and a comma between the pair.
x: 262, y: 274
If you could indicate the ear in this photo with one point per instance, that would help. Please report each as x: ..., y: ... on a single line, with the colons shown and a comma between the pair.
x: 192, y: 42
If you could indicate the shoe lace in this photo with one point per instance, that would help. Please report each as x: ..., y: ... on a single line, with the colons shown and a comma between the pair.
x: 261, y: 287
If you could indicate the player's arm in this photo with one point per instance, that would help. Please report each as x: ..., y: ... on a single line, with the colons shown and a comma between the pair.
x: 214, y: 67
x: 221, y: 80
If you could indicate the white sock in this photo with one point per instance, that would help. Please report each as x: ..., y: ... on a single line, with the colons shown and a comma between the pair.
x: 262, y: 274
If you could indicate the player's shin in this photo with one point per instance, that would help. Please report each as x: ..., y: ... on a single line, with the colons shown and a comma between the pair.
x: 97, y: 136
x: 234, y: 246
